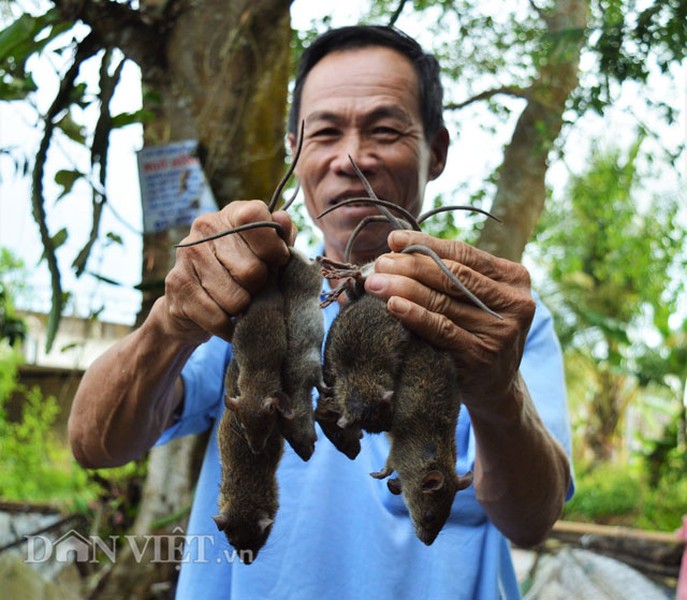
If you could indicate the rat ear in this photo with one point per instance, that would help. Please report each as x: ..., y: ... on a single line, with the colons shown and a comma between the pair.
x: 263, y: 520
x: 231, y: 402
x: 284, y: 405
x: 344, y: 422
x: 432, y: 482
x: 394, y: 485
x: 264, y: 523
x: 221, y: 521
x: 280, y: 402
x: 324, y: 413
x: 387, y: 396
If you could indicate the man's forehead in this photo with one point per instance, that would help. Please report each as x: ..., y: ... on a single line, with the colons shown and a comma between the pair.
x: 371, y: 74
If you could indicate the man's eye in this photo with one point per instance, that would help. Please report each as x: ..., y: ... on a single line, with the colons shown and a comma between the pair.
x: 325, y: 132
x: 386, y: 132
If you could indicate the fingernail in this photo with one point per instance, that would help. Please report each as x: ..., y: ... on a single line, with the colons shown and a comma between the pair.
x: 384, y: 263
x: 374, y: 283
x: 400, y: 238
x: 398, y: 306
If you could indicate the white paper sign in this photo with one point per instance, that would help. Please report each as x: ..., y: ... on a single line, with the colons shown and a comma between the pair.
x: 173, y: 186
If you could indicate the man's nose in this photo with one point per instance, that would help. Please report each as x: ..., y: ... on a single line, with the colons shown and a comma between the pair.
x: 354, y: 148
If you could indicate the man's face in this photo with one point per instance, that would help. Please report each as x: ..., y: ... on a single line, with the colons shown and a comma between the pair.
x: 364, y: 103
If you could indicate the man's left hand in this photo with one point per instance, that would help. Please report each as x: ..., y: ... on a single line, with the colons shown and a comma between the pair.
x: 487, y: 350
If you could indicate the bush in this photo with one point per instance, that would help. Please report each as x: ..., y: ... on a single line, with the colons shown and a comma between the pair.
x: 603, y: 493
x: 621, y: 495
x: 35, y: 466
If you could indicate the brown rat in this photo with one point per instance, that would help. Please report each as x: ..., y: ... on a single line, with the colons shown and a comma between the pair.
x: 364, y: 352
x: 328, y: 414
x: 300, y: 283
x: 260, y: 351
x: 423, y: 444
x: 249, y: 495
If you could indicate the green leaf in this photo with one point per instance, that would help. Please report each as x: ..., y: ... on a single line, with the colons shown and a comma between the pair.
x: 59, y: 238
x: 17, y: 88
x: 21, y: 31
x: 18, y: 40
x: 105, y: 279
x: 114, y: 238
x: 67, y: 179
x: 77, y: 94
x: 71, y: 129
x: 130, y: 118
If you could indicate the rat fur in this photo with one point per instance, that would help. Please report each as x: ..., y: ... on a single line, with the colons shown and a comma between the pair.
x: 260, y: 351
x: 423, y: 444
x: 364, y: 350
x: 249, y: 494
x: 300, y: 283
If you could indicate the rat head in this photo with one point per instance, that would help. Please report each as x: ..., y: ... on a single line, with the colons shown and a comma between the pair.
x: 368, y: 405
x: 247, y: 531
x: 345, y: 440
x: 429, y: 501
x: 258, y: 417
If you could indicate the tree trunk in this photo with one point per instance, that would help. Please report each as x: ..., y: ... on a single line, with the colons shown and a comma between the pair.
x: 521, y: 188
x: 215, y: 71
x: 224, y: 84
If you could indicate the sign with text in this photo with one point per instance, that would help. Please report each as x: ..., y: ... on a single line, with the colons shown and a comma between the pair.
x: 173, y: 186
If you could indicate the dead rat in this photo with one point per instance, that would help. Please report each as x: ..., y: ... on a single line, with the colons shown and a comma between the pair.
x: 423, y: 444
x: 328, y: 414
x: 300, y: 283
x: 361, y: 367
x: 286, y: 340
x: 249, y: 495
x: 260, y: 351
x: 364, y: 351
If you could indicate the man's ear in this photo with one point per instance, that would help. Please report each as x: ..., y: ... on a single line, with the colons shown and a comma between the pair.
x: 439, y: 150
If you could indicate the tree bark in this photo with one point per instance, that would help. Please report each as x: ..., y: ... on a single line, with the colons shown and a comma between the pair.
x: 521, y: 187
x: 215, y: 71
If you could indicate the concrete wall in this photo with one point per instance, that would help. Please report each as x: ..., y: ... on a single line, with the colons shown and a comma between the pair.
x: 78, y: 343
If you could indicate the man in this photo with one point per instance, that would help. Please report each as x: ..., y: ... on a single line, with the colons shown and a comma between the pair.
x: 370, y: 93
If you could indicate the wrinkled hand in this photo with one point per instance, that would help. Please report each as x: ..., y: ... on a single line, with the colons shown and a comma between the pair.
x: 487, y: 350
x: 212, y: 282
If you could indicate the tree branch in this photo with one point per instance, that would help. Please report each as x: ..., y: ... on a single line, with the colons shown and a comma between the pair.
x: 139, y: 35
x: 99, y: 149
x: 540, y: 12
x: 516, y: 92
x: 397, y: 13
x: 86, y: 48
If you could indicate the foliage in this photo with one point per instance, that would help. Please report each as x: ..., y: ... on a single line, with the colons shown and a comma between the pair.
x: 603, y: 493
x: 12, y: 327
x: 610, y: 253
x: 616, y: 495
x: 489, y: 54
x: 49, y: 35
x: 37, y: 467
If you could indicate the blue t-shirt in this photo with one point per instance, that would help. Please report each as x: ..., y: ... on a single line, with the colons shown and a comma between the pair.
x: 339, y: 533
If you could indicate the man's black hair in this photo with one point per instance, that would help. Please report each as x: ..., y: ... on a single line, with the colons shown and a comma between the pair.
x: 361, y: 36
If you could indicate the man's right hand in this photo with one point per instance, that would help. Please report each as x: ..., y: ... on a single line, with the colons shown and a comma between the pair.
x: 214, y: 281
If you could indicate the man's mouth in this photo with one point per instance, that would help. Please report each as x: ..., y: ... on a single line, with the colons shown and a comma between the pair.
x: 352, y: 195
